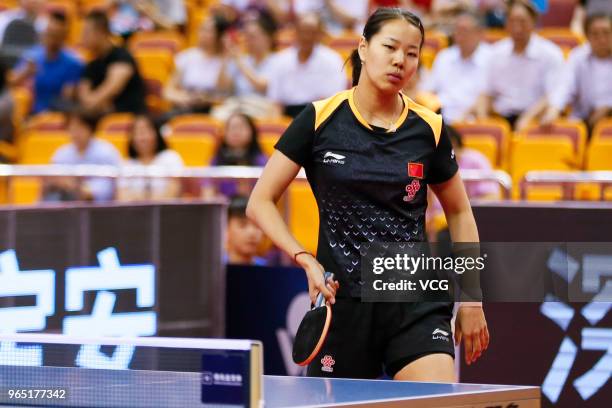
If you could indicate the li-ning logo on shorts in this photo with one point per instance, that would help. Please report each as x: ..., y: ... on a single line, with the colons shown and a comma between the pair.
x: 327, y: 362
x: 333, y: 158
x: 439, y: 334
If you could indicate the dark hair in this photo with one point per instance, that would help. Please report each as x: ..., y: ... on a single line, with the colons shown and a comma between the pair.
x: 89, y: 120
x: 527, y: 5
x: 265, y: 21
x: 373, y: 26
x: 221, y: 24
x: 591, y: 18
x: 454, y: 136
x: 58, y: 16
x: 100, y: 20
x: 160, y: 142
x: 237, y: 207
x: 226, y: 157
x: 3, y: 73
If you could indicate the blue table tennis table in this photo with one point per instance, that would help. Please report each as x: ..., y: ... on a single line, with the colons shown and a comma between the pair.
x: 150, y: 389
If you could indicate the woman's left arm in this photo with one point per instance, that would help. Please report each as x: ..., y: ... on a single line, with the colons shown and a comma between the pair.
x: 470, y: 324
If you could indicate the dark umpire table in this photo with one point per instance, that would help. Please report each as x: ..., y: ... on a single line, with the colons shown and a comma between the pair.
x: 132, y: 388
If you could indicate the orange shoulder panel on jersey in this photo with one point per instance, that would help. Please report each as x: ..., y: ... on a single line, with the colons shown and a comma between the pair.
x: 325, y: 107
x: 433, y: 119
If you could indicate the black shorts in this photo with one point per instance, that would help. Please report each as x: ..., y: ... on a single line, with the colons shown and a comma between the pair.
x: 366, y: 338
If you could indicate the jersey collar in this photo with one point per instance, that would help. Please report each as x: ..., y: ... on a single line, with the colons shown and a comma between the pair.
x: 396, y: 125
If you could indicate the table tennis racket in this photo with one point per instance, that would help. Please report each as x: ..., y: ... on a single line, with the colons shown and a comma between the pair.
x: 313, y: 329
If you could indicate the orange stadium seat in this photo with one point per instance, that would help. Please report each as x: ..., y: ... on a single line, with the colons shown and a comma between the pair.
x: 155, y: 101
x: 155, y: 63
x: 47, y: 121
x: 598, y: 158
x: 171, y: 41
x: 269, y: 132
x: 496, y: 130
x: 574, y: 131
x: 194, y: 150
x: 551, y: 153
x: 87, y: 6
x: 563, y: 37
x: 195, y: 17
x: 36, y: 148
x: 603, y: 129
x: 194, y: 137
x: 492, y: 35
x: 303, y: 214
x: 344, y: 43
x: 195, y: 124
x: 435, y: 41
x: 22, y: 98
x: 116, y: 123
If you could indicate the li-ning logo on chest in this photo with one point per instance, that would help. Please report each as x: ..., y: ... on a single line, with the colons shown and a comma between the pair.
x: 333, y: 158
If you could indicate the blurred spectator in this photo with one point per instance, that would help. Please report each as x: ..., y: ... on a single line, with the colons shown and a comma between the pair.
x: 278, y: 9
x: 129, y: 16
x: 199, y: 79
x: 588, y: 75
x: 239, y: 147
x: 458, y: 73
x: 494, y: 12
x: 147, y: 147
x: 249, y: 73
x: 524, y: 71
x: 336, y: 15
x: 586, y: 8
x: 307, y: 71
x: 6, y: 114
x: 111, y: 81
x: 56, y: 71
x: 84, y: 149
x: 444, y: 12
x: 28, y: 10
x: 243, y: 236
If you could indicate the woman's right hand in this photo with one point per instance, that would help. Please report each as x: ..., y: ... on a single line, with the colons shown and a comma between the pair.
x: 314, y: 274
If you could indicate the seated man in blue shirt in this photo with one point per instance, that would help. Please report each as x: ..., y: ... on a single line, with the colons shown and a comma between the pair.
x: 85, y: 148
x: 55, y: 70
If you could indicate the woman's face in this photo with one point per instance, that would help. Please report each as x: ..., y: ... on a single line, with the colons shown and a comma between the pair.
x: 144, y: 138
x: 391, y: 56
x: 207, y: 38
x: 256, y: 38
x: 238, y: 133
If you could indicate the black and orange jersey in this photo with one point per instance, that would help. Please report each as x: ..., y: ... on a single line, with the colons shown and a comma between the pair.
x: 370, y: 184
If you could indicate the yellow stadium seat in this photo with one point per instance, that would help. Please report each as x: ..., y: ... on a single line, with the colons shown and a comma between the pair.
x: 195, y: 150
x: 303, y: 215
x: 120, y: 141
x: 435, y: 40
x: 574, y: 131
x: 270, y: 130
x: 47, y: 121
x: 603, y: 129
x: 171, y: 41
x: 492, y: 35
x: 22, y: 98
x: 483, y: 143
x: 155, y: 64
x: 599, y: 155
x: 116, y: 123
x: 38, y: 147
x: 196, y: 17
x: 495, y: 129
x: 550, y: 153
x: 196, y: 124
x: 344, y: 43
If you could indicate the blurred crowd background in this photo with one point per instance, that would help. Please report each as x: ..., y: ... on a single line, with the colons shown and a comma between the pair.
x: 523, y: 85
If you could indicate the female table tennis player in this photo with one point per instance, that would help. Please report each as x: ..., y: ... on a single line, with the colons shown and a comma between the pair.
x: 371, y: 152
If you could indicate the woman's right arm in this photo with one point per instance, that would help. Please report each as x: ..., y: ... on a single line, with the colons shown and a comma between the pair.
x: 276, y: 177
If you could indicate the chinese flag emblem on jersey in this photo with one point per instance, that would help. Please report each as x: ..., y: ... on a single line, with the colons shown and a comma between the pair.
x: 415, y: 170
